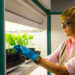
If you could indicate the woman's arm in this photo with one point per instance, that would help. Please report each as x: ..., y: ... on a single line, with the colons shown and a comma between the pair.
x: 57, y: 69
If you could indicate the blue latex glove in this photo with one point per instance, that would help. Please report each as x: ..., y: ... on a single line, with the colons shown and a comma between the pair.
x: 26, y: 52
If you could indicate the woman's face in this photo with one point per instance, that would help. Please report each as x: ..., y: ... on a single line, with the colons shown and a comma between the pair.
x: 68, y: 27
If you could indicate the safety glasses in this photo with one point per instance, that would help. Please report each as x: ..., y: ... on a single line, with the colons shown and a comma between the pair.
x: 66, y: 24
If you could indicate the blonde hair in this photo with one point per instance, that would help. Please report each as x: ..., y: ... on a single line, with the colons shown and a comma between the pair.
x: 69, y: 13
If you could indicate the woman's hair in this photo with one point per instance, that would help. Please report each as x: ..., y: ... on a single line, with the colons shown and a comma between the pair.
x: 69, y: 13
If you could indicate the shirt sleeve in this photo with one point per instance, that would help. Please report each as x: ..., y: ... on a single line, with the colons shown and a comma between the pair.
x: 55, y: 55
x: 70, y: 65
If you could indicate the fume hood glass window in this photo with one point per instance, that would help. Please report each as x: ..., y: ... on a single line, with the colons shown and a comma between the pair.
x: 37, y: 42
x: 37, y: 34
x: 18, y: 31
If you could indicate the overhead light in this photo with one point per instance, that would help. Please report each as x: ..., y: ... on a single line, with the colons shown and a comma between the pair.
x: 14, y: 27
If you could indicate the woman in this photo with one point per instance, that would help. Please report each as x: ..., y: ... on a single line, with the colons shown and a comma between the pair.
x: 65, y: 53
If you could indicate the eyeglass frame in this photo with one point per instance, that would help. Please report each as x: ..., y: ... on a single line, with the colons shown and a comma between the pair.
x: 66, y: 24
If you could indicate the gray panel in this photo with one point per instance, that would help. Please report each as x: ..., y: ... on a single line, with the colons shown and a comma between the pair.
x: 60, y: 5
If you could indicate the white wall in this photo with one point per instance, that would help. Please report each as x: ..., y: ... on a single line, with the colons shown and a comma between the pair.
x: 40, y: 42
x: 57, y: 34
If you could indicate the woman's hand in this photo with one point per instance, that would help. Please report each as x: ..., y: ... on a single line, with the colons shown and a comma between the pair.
x: 26, y: 52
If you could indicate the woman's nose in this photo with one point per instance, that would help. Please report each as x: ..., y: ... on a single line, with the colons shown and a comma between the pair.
x: 63, y: 27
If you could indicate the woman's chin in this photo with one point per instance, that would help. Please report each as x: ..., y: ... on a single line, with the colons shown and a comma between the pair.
x: 67, y: 34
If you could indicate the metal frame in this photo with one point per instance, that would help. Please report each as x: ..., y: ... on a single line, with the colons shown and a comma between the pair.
x: 2, y: 55
x: 48, y: 37
x: 40, y: 6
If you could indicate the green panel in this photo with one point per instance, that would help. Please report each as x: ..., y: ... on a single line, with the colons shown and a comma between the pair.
x: 48, y: 34
x: 40, y: 6
x: 55, y: 12
x: 48, y: 37
x: 2, y: 61
x: 48, y: 73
